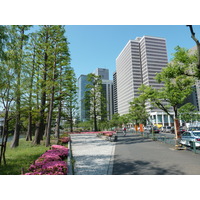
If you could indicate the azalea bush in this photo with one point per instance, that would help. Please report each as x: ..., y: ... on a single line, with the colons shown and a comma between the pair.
x: 108, y: 134
x: 65, y: 140
x: 96, y: 132
x: 51, y: 162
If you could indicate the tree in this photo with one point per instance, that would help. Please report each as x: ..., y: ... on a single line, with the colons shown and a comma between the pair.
x: 60, y: 58
x: 137, y: 110
x: 94, y: 99
x: 30, y: 82
x: 18, y: 41
x: 198, y: 50
x: 6, y: 93
x: 115, y: 121
x: 71, y: 97
x: 43, y: 46
x: 187, y: 112
x: 3, y: 40
x: 177, y: 85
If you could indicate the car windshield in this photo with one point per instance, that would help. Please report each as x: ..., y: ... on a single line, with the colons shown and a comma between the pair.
x: 196, y: 133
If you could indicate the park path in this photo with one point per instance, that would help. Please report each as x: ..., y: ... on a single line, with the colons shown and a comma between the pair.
x: 137, y: 156
x: 93, y: 155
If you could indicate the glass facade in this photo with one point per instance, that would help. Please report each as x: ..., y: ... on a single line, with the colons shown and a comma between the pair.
x: 82, y: 82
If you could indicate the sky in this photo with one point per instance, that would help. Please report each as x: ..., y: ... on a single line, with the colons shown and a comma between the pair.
x: 97, y: 46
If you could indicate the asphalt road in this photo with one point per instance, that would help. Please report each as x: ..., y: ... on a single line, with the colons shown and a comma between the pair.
x: 135, y: 155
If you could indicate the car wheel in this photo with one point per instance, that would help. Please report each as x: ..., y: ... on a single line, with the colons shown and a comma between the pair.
x: 191, y: 144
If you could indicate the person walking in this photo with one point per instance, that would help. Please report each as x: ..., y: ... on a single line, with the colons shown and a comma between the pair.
x: 124, y: 131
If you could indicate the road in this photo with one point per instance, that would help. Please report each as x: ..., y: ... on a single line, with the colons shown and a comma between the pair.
x: 135, y: 155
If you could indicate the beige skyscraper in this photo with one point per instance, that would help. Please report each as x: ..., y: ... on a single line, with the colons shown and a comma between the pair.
x: 138, y: 64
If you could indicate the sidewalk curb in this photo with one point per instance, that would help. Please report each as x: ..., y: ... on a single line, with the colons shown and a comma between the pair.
x: 69, y: 158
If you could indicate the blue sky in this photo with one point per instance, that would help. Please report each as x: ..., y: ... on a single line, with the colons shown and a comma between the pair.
x: 93, y: 46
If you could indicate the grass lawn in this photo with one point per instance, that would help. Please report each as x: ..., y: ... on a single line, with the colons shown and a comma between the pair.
x: 21, y: 157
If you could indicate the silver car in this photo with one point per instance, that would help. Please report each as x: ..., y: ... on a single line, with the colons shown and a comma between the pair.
x: 189, y: 137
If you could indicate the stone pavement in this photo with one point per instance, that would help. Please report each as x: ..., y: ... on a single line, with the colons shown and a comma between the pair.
x: 93, y: 155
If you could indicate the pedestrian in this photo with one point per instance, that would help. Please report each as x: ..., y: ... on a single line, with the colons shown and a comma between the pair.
x: 124, y: 131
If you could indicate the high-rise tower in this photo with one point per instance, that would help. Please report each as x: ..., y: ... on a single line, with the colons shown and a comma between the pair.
x: 138, y: 64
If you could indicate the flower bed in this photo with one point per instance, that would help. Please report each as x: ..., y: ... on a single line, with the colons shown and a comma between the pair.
x: 97, y: 132
x: 51, y: 162
x: 64, y: 140
x: 108, y: 134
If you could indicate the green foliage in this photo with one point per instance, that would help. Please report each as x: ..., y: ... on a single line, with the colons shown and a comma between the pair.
x: 188, y: 112
x: 34, y: 66
x: 137, y: 110
x: 177, y: 80
x: 95, y: 102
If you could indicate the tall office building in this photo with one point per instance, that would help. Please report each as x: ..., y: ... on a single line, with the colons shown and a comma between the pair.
x: 128, y: 68
x: 82, y: 82
x: 115, y: 92
x: 103, y: 73
x: 137, y: 64
x: 108, y: 90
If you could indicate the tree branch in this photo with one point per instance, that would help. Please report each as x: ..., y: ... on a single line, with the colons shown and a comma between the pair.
x: 198, y: 47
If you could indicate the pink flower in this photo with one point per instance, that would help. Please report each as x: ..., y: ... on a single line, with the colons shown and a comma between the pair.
x: 50, y: 163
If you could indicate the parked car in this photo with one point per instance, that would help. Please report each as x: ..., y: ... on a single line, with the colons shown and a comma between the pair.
x: 194, y: 128
x: 182, y: 130
x: 189, y: 137
x: 155, y: 130
x: 168, y: 129
x: 163, y: 129
x: 147, y: 128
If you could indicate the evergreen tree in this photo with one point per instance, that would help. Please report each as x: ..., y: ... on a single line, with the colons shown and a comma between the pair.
x: 94, y: 99
x: 18, y: 40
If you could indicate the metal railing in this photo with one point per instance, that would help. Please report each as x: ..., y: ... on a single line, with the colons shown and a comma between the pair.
x: 170, y: 140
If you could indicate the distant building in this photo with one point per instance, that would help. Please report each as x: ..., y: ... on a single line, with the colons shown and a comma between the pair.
x: 103, y: 73
x: 115, y: 92
x: 137, y: 64
x: 82, y: 82
x: 108, y: 90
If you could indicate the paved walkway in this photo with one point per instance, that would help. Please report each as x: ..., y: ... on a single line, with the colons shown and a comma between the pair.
x: 93, y: 155
x: 135, y: 155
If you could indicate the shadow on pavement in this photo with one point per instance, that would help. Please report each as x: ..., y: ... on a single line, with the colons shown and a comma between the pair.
x: 139, y: 167
x: 131, y: 139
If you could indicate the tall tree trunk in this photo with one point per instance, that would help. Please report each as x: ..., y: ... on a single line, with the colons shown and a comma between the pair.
x: 40, y: 126
x: 15, y: 141
x: 51, y: 105
x: 50, y: 118
x: 176, y: 127
x: 71, y: 120
x: 29, y: 131
x: 57, y: 130
x: 4, y: 139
